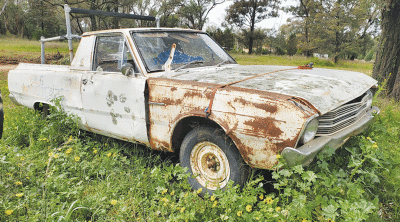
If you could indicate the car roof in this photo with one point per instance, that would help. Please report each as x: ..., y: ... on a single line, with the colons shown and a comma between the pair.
x: 140, y: 30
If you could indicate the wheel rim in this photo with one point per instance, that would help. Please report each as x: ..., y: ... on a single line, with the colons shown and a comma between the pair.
x: 210, y: 166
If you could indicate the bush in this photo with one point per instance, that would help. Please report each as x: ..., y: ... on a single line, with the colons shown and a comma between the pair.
x: 370, y: 55
x: 265, y: 52
x: 322, y: 62
x: 279, y: 50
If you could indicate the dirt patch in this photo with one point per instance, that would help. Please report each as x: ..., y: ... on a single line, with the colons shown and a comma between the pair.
x: 6, y: 68
x: 4, y: 71
x: 15, y: 60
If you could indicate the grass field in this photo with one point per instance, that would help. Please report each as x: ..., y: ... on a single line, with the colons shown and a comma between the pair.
x: 12, y: 47
x: 52, y: 171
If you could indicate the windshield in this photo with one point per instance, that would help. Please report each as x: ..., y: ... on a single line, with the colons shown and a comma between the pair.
x: 192, y: 49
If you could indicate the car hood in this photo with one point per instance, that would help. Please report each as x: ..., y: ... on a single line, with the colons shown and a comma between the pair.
x: 325, y: 89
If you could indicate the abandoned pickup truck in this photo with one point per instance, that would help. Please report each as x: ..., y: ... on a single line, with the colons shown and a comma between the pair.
x: 177, y: 90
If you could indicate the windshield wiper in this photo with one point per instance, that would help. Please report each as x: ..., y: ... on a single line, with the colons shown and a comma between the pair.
x: 186, y: 64
x: 223, y: 62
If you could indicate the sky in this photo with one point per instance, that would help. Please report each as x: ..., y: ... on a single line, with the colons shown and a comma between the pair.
x: 217, y: 15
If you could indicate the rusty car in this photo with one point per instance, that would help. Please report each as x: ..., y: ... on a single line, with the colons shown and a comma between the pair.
x: 177, y: 90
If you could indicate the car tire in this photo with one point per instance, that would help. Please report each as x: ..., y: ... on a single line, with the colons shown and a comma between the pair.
x: 212, y: 159
x: 45, y: 110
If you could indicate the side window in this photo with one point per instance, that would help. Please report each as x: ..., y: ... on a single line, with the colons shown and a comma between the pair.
x: 111, y: 53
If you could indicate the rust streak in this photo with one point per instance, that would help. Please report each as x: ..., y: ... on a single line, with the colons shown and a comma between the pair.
x: 169, y: 101
x: 193, y: 93
x: 159, y: 145
x: 306, y: 103
x: 209, y: 108
x: 263, y: 94
x: 245, y: 151
x: 262, y: 106
x: 263, y: 126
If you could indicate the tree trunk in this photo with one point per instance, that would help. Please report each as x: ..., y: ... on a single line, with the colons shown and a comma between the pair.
x: 251, y: 39
x: 307, y: 52
x: 387, y: 61
x: 337, y: 47
x: 115, y: 19
x: 337, y: 33
x: 93, y: 23
x: 306, y: 25
x: 253, y: 21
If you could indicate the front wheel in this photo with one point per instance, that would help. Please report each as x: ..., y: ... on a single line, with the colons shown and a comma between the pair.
x: 212, y: 159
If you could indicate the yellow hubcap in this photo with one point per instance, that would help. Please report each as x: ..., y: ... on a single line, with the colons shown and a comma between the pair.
x: 209, y: 165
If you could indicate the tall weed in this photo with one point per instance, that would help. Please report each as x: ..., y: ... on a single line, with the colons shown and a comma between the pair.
x: 52, y: 171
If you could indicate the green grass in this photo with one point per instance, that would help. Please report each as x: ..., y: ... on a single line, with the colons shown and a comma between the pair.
x: 51, y: 171
x: 16, y: 47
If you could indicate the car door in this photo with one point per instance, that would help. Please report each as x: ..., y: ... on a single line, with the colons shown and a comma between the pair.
x: 113, y: 103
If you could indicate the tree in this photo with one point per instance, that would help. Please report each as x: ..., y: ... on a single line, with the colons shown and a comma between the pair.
x: 168, y: 13
x: 388, y: 55
x: 3, y: 29
x: 14, y: 16
x: 246, y: 13
x: 305, y: 11
x: 258, y: 35
x: 225, y: 38
x: 44, y: 20
x: 337, y: 27
x: 292, y: 45
x: 195, y: 12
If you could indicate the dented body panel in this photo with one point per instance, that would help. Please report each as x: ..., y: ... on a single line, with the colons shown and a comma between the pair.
x: 114, y: 103
x: 263, y: 109
x: 31, y: 84
x: 259, y: 123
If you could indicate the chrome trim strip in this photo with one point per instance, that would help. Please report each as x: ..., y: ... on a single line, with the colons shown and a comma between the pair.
x: 346, y: 115
x: 305, y: 154
x: 304, y: 127
x: 157, y: 104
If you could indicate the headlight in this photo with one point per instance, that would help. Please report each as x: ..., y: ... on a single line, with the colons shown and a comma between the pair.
x: 310, y: 131
x: 369, y: 98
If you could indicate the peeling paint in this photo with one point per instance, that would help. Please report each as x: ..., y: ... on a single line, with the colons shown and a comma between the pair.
x: 258, y: 122
x: 111, y: 98
x: 122, y: 98
x: 114, y: 117
x: 309, y: 84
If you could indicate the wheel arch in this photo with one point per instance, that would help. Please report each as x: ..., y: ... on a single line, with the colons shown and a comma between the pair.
x: 38, y: 107
x: 43, y: 107
x: 184, y: 125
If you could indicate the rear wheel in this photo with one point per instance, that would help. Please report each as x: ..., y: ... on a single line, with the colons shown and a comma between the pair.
x: 44, y: 109
x: 212, y: 159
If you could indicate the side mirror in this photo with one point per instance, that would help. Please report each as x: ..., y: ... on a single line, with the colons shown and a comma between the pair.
x: 127, y: 69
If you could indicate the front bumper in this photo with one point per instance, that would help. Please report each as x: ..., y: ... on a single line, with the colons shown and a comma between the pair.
x: 306, y: 153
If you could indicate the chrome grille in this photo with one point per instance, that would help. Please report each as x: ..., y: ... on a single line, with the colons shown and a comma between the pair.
x: 342, y: 117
